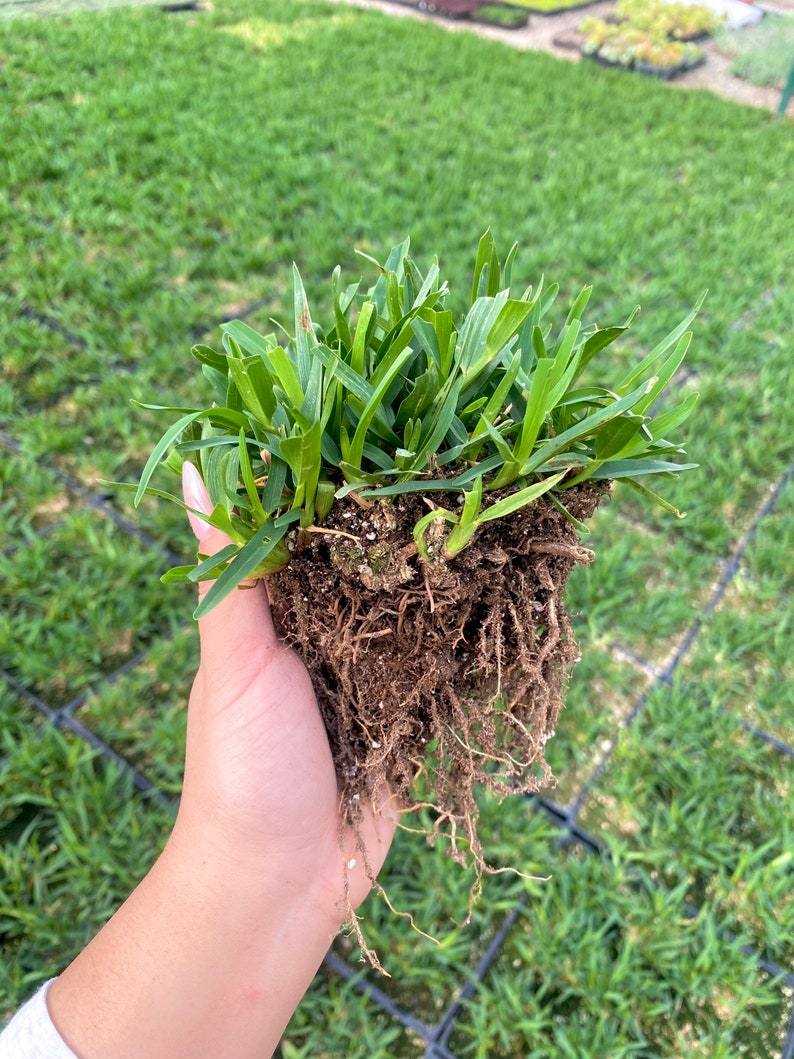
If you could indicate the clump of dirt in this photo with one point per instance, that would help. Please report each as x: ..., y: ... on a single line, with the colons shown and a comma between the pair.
x: 435, y: 676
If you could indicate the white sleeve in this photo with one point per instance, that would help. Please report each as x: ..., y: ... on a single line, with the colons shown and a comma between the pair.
x: 31, y: 1034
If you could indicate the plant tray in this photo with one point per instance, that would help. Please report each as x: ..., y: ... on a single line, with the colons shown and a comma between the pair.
x: 663, y: 73
x: 667, y: 73
x: 602, y: 61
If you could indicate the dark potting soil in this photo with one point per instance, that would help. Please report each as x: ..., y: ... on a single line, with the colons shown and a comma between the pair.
x: 435, y: 677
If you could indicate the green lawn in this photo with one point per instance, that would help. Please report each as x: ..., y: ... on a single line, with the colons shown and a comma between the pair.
x: 162, y: 172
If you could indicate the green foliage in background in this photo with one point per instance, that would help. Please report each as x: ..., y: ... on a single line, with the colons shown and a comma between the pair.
x: 762, y: 53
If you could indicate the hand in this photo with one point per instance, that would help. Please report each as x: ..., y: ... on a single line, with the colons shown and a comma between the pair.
x: 260, y: 785
x: 214, y: 949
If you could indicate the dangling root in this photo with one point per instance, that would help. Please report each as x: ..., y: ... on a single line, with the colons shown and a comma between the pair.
x: 435, y: 678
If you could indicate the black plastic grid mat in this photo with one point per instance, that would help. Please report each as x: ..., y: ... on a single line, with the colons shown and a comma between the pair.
x: 435, y: 1036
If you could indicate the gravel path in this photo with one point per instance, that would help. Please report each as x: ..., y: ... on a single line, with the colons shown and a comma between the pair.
x: 541, y: 32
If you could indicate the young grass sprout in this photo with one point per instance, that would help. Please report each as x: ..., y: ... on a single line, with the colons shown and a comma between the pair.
x: 394, y: 397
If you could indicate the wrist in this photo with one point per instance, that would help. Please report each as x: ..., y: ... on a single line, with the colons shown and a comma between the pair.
x: 256, y: 883
x: 204, y: 959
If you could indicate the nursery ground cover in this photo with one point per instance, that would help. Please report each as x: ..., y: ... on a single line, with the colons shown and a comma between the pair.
x: 162, y: 172
x: 763, y: 54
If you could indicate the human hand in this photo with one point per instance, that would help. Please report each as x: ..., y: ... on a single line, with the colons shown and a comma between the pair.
x: 260, y: 789
x: 213, y: 950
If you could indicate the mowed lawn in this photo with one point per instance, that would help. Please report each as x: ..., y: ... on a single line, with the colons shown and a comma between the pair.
x: 160, y: 173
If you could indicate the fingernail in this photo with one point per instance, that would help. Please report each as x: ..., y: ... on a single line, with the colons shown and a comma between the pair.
x: 195, y: 494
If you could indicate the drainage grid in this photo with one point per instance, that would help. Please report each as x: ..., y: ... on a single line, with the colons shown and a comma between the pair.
x: 434, y: 1036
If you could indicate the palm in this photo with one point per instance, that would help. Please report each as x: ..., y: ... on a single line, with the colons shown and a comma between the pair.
x: 258, y: 756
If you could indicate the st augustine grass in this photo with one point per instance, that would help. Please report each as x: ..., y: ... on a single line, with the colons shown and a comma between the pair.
x: 162, y: 172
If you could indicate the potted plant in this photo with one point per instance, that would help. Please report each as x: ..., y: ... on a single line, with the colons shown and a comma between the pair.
x: 612, y: 44
x: 414, y: 486
x: 660, y: 19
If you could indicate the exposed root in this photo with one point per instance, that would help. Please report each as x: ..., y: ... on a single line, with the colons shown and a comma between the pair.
x: 404, y: 915
x: 436, y: 677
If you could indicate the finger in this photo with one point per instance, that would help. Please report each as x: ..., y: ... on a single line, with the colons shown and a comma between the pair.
x: 242, y: 619
x: 194, y: 490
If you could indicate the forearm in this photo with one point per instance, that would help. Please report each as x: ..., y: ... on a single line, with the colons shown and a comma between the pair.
x: 200, y: 961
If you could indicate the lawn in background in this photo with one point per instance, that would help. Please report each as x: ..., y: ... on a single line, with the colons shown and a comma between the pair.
x: 161, y: 173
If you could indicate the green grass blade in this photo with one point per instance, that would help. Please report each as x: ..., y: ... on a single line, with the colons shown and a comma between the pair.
x: 506, y: 326
x: 630, y: 468
x: 286, y: 377
x: 259, y: 513
x: 579, y: 306
x: 249, y: 558
x: 220, y: 468
x: 585, y: 426
x: 440, y: 423
x: 305, y: 340
x: 424, y: 485
x: 669, y: 420
x: 206, y: 355
x: 420, y: 397
x: 656, y: 354
x: 474, y: 333
x: 498, y: 439
x: 367, y: 319
x: 648, y: 494
x: 160, y: 450
x: 615, y: 436
x: 248, y: 338
x: 487, y: 277
x: 352, y: 381
x: 341, y: 306
x: 666, y: 372
x: 274, y: 486
x: 178, y: 575
x: 428, y: 292
x: 534, y: 416
x: 218, y: 518
x: 214, y: 565
x: 252, y: 380
x: 507, y: 505
x: 357, y: 444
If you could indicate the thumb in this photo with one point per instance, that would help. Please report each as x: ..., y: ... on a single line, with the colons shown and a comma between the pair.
x: 195, y: 493
x: 241, y: 620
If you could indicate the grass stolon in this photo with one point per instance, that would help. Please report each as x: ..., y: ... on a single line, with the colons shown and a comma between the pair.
x: 414, y: 489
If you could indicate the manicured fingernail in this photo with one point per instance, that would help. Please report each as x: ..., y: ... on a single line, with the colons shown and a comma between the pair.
x: 195, y: 493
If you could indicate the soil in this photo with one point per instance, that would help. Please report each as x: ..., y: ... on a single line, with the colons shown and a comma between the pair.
x: 435, y: 676
x: 545, y: 33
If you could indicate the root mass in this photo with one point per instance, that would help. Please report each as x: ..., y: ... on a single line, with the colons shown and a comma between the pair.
x: 436, y: 677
